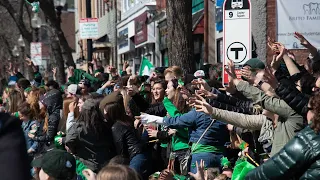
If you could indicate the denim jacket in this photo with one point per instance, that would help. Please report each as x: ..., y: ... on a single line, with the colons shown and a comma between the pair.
x: 197, y: 123
x: 28, y: 126
x: 105, y: 91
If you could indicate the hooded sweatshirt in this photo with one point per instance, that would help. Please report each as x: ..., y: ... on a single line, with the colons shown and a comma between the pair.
x: 53, y: 102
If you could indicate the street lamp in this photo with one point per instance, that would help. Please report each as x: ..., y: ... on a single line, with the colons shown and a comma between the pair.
x: 36, y: 25
x: 21, y: 42
x: 15, y: 51
x: 59, y: 4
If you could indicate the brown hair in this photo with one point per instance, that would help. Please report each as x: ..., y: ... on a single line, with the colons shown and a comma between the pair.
x: 315, y: 105
x: 33, y: 100
x: 65, y: 112
x: 175, y: 70
x: 116, y: 112
x: 25, y: 110
x: 16, y: 97
x: 221, y: 177
x: 164, y: 86
x: 179, y: 102
x: 118, y: 172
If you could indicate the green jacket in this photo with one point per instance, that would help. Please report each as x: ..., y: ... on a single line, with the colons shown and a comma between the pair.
x: 298, y: 159
x: 181, y: 139
x: 81, y: 74
x: 289, y: 122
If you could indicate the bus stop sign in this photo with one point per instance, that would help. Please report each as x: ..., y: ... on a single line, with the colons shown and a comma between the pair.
x: 237, y: 45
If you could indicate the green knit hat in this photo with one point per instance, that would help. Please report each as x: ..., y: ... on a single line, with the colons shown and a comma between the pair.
x: 255, y: 63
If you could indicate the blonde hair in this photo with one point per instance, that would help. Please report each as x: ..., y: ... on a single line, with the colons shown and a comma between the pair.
x: 175, y: 70
x: 118, y: 172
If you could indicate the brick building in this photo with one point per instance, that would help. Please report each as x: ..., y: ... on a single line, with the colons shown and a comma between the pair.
x: 272, y: 31
x: 264, y: 25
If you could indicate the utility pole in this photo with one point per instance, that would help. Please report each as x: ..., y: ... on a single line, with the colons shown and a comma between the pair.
x: 89, y: 41
x: 206, y: 32
x: 115, y: 49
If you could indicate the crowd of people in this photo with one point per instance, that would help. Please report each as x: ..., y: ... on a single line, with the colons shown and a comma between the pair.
x: 108, y: 124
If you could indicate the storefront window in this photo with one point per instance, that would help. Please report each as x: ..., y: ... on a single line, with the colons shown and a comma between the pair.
x: 123, y: 38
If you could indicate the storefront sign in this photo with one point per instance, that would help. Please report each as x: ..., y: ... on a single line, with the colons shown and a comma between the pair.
x: 39, y: 52
x: 141, y: 29
x: 88, y: 28
x: 298, y: 16
x: 163, y: 31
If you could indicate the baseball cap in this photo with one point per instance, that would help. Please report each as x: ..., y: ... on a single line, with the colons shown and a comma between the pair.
x: 72, y: 89
x: 57, y: 163
x: 199, y: 74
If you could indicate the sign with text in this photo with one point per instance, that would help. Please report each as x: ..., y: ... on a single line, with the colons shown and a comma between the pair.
x: 88, y: 28
x: 236, y: 34
x: 141, y: 29
x: 38, y: 53
x: 298, y: 16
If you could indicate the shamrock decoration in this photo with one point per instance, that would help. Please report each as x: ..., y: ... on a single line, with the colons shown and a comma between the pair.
x: 35, y: 5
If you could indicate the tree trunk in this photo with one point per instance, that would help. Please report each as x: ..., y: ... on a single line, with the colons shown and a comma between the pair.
x: 56, y: 50
x: 48, y: 8
x: 18, y: 18
x: 180, y: 45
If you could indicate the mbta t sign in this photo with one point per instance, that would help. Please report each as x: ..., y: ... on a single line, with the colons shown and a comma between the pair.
x: 237, y: 33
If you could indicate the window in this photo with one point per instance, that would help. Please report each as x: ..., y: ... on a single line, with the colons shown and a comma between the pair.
x: 130, y: 3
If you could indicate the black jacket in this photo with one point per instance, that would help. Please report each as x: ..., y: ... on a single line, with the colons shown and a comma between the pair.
x: 13, y: 157
x: 93, y: 149
x: 293, y: 97
x: 236, y: 105
x: 126, y: 140
x: 299, y: 159
x: 53, y: 102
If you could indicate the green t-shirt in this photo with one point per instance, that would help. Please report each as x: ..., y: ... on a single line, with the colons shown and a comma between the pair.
x: 200, y: 148
x: 181, y: 139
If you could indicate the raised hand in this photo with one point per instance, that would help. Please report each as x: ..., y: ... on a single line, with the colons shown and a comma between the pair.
x: 200, y: 175
x: 207, y: 94
x: 283, y: 51
x: 203, y: 106
x: 303, y: 41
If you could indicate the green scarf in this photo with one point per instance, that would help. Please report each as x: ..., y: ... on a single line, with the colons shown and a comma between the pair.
x: 241, y: 169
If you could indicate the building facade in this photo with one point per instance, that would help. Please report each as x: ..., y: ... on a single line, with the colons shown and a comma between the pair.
x: 137, y: 33
x: 104, y: 46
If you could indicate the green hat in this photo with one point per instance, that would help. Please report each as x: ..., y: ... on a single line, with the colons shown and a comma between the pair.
x: 255, y: 63
x: 58, y: 164
x: 28, y: 90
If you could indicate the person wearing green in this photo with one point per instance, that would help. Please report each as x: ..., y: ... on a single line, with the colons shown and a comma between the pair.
x: 79, y: 74
x: 208, y: 137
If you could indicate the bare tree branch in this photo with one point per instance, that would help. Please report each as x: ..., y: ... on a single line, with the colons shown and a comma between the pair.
x: 18, y: 20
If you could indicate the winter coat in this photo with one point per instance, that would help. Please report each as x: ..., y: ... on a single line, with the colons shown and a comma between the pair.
x: 126, y: 140
x: 53, y: 102
x: 293, y: 97
x: 15, y: 164
x: 289, y: 122
x: 93, y: 149
x: 197, y: 123
x: 298, y: 159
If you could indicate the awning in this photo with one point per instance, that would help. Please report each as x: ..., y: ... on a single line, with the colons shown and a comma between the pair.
x: 102, y: 43
x: 197, y: 22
